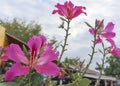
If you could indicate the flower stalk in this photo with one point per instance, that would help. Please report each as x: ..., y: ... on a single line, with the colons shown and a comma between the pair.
x: 91, y: 56
x: 103, y: 62
x: 92, y: 53
x: 65, y: 40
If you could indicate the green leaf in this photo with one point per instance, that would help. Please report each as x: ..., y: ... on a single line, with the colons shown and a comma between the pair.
x: 8, y: 84
x: 63, y: 19
x: 84, y: 82
x: 88, y: 25
x: 37, y: 79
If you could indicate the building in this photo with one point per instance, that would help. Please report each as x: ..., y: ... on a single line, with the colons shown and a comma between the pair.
x: 6, y: 39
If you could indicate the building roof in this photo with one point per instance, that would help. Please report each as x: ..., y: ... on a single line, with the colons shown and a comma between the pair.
x: 13, y: 39
x: 92, y: 74
x: 103, y: 77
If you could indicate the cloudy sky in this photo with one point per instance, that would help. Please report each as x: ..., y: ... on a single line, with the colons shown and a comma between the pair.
x: 80, y: 39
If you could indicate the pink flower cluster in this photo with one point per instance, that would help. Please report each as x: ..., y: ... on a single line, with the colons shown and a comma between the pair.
x: 108, y: 34
x: 102, y: 32
x: 39, y: 58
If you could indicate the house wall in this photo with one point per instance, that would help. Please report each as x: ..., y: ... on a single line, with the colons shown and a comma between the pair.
x: 2, y: 36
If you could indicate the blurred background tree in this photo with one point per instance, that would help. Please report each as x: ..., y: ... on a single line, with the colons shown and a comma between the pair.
x: 20, y: 28
x: 113, y: 67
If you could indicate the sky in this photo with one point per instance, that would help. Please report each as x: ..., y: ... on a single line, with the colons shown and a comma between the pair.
x: 79, y: 41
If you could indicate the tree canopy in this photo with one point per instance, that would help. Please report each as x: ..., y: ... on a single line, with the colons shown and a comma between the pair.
x: 21, y: 29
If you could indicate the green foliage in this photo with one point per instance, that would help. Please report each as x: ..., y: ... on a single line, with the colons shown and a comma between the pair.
x: 74, y: 73
x: 99, y: 67
x: 9, y: 84
x: 78, y: 81
x: 32, y: 79
x: 113, y: 68
x: 21, y: 29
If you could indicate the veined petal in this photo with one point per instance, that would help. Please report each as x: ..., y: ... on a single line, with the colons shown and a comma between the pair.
x: 16, y: 70
x: 48, y: 69
x: 14, y: 52
x: 62, y: 10
x: 77, y: 10
x: 109, y: 27
x: 111, y: 41
x: 69, y: 4
x: 48, y: 55
x: 35, y: 43
x: 108, y: 34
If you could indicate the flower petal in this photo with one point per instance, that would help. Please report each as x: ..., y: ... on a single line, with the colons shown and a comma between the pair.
x: 35, y: 43
x: 48, y: 55
x: 111, y: 41
x: 77, y: 10
x: 108, y: 35
x: 13, y: 52
x: 109, y: 27
x: 16, y: 70
x: 92, y: 31
x: 48, y: 69
x: 98, y: 40
x: 115, y: 52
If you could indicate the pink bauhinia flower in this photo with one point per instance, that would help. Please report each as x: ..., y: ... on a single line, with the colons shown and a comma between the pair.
x: 41, y: 55
x: 113, y: 49
x: 68, y: 10
x: 103, y: 32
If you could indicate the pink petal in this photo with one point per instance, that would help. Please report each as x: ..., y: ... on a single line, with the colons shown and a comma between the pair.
x: 111, y: 42
x: 62, y: 10
x: 108, y: 35
x: 48, y: 55
x: 48, y: 69
x: 16, y: 70
x: 98, y: 40
x: 69, y: 4
x: 92, y: 31
x: 54, y: 11
x: 35, y: 43
x: 77, y: 11
x: 109, y: 27
x: 15, y: 53
x: 116, y: 52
